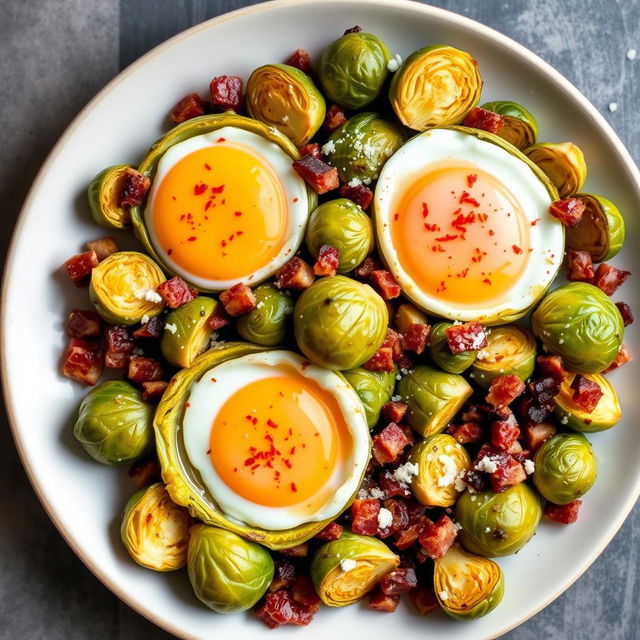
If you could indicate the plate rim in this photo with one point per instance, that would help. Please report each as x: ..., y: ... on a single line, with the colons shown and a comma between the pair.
x: 427, y: 10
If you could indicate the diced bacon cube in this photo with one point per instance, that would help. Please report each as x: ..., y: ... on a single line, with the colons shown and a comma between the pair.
x: 622, y: 358
x: 284, y: 574
x: 569, y: 211
x: 399, y: 581
x: 360, y: 194
x: 408, y: 537
x: 103, y: 247
x: 534, y: 410
x: 300, y: 59
x: 364, y: 270
x: 134, y: 188
x: 120, y: 346
x: 474, y: 413
x: 385, y: 284
x: 544, y: 389
x: 304, y: 593
x: 327, y: 262
x: 295, y: 274
x: 176, y: 292
x: 467, y: 432
x: 416, y: 337
x: 219, y: 318
x: 586, y: 393
x: 226, y: 92
x: 437, y: 537
x: 144, y: 472
x: 424, y: 600
x: 79, y: 267
x: 562, y: 513
x: 399, y: 517
x: 553, y: 367
x: 480, y: 118
x: 188, y: 107
x: 625, y: 312
x: 84, y: 324
x: 331, y: 532
x: 335, y: 117
x: 509, y: 473
x: 393, y: 340
x: 504, y: 390
x: 504, y: 434
x: 83, y: 360
x: 298, y: 551
x: 608, y: 278
x: 153, y: 328
x: 470, y: 336
x: 381, y: 360
x: 354, y: 29
x: 152, y: 391
x: 364, y: 516
x: 238, y: 300
x: 389, y: 444
x: 391, y: 486
x: 394, y: 411
x: 379, y: 601
x: 476, y: 480
x: 311, y: 149
x: 320, y: 176
x: 143, y: 369
x: 279, y: 608
x: 535, y: 435
x: 580, y: 266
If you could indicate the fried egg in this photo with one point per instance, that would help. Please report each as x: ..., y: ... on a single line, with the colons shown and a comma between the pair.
x: 464, y: 226
x: 277, y: 441
x: 226, y: 207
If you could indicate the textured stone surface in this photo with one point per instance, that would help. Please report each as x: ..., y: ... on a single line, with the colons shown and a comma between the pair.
x: 55, y: 55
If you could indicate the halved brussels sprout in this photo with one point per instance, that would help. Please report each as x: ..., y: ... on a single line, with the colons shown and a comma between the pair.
x: 339, y: 323
x: 566, y: 468
x: 606, y: 414
x: 601, y: 230
x: 341, y: 224
x: 123, y: 288
x: 104, y: 193
x: 563, y: 162
x: 580, y: 323
x: 361, y: 146
x: 227, y: 572
x: 267, y: 323
x: 440, y: 461
x: 434, y: 87
x: 374, y: 388
x: 155, y: 530
x: 114, y: 424
x: 352, y: 70
x: 434, y: 398
x: 442, y: 355
x: 286, y: 98
x: 467, y: 586
x: 510, y: 350
x: 406, y: 315
x: 520, y: 127
x: 498, y: 524
x: 338, y: 580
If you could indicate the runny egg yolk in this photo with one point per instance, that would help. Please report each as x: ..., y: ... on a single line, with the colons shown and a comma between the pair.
x: 460, y: 234
x: 220, y: 212
x: 279, y: 441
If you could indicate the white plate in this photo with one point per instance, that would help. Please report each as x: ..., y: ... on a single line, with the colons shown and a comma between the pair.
x: 83, y: 498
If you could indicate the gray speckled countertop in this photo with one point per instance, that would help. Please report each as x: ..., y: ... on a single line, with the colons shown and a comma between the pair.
x: 54, y: 56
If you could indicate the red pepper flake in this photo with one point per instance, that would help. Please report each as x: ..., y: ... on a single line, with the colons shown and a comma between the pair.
x: 169, y: 252
x: 287, y: 463
x: 192, y: 238
x: 223, y: 243
x: 535, y: 222
x: 431, y: 227
x: 293, y: 487
x: 447, y: 238
x: 456, y: 212
x: 272, y: 424
x: 293, y: 451
x: 295, y: 200
x: 516, y: 249
x: 221, y: 140
x: 219, y: 189
x: 466, y: 199
x: 239, y: 233
x: 213, y: 380
x: 396, y: 216
x: 208, y: 204
x: 425, y: 210
x: 249, y: 461
x: 471, y: 179
x: 200, y: 188
x: 207, y: 166
x: 487, y: 281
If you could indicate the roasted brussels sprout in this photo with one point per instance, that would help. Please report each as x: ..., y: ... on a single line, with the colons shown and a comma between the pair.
x: 467, y: 586
x: 563, y: 162
x: 580, y: 323
x: 440, y: 461
x: 267, y: 323
x: 155, y: 530
x: 344, y: 225
x: 433, y: 396
x: 353, y: 69
x: 520, y: 127
x: 606, y: 414
x: 115, y: 425
x: 343, y: 571
x: 374, y: 388
x: 103, y: 195
x: 227, y: 573
x: 361, y: 146
x: 190, y: 332
x: 286, y: 98
x: 498, y: 524
x: 566, y: 468
x: 434, y: 87
x: 442, y: 355
x: 339, y: 323
x: 123, y: 288
x: 510, y: 350
x: 601, y: 230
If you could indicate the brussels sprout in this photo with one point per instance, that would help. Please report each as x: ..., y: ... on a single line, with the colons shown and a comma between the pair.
x: 115, y: 425
x: 440, y: 461
x: 580, y: 323
x: 467, y: 586
x: 510, y: 350
x: 286, y: 98
x: 340, y: 583
x: 406, y: 315
x: 520, y: 127
x: 123, y: 288
x: 442, y: 355
x: 434, y: 87
x: 103, y: 195
x: 361, y: 146
x: 434, y: 398
x: 606, y: 414
x: 227, y: 573
x: 344, y: 225
x: 498, y: 524
x: 267, y: 323
x: 566, y: 468
x: 601, y: 231
x: 374, y: 388
x: 563, y: 162
x: 339, y: 323
x: 155, y: 530
x: 353, y: 69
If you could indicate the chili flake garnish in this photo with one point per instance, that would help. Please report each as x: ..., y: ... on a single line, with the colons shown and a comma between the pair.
x: 471, y: 179
x: 200, y: 188
x: 516, y: 249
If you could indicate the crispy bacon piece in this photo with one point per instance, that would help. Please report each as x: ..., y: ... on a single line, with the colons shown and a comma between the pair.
x: 504, y: 390
x: 367, y: 267
x: 408, y: 536
x: 381, y: 360
x: 354, y: 29
x: 608, y: 278
x: 143, y: 369
x: 544, y: 389
x: 79, y: 267
x: 311, y: 149
x: 238, y: 300
x: 399, y: 581
x: 569, y: 211
x: 580, y: 265
x: 470, y: 336
x: 320, y: 176
x: 331, y: 532
x: 389, y: 444
x: 391, y: 486
x: 424, y: 600
x: 219, y: 318
x: 103, y: 247
x: 385, y: 284
x: 562, y: 513
x: 416, y: 337
x: 280, y: 608
x: 284, y: 574
x: 226, y: 92
x: 120, y: 346
x: 586, y: 393
x: 83, y: 361
x: 134, y: 188
x: 467, y: 432
x: 84, y: 324
x: 298, y: 551
x: 188, y: 107
x: 295, y: 274
x: 144, y: 472
x: 509, y: 472
x: 535, y: 435
x: 437, y: 537
x: 400, y: 517
x: 476, y: 480
x: 364, y: 516
x: 480, y: 118
x: 152, y: 391
x: 625, y: 312
x: 393, y: 340
x: 327, y: 262
x: 379, y: 601
x: 553, y: 367
x: 504, y: 434
x: 360, y: 194
x: 176, y: 292
x: 304, y: 593
x: 623, y: 357
x: 153, y: 328
x: 300, y: 59
x: 335, y: 117
x: 394, y: 411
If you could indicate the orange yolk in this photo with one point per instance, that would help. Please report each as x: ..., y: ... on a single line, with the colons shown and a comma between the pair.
x: 279, y: 441
x: 460, y: 234
x: 220, y: 213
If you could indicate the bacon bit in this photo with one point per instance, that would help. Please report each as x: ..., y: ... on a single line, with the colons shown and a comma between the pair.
x: 188, y: 107
x: 151, y: 329
x: 320, y: 176
x: 335, y: 117
x: 479, y: 118
x: 142, y: 369
x: 176, y: 292
x: 385, y: 284
x: 284, y: 574
x: 364, y: 517
x: 416, y: 337
x: 328, y: 261
x: 469, y: 336
x: 295, y: 274
x: 394, y: 411
x: 366, y: 268
x: 103, y: 247
x: 535, y: 435
x: 152, y: 391
x: 82, y: 361
x: 569, y: 211
x: 552, y: 366
x: 625, y: 312
x: 504, y: 434
x: 509, y: 473
x: 471, y: 179
x: 467, y: 433
x: 300, y: 59
x: 134, y: 188
x: 79, y: 267
x: 447, y: 238
x: 84, y: 324
x: 562, y: 513
x: 608, y: 279
x: 238, y: 300
x: 354, y: 29
x: 504, y: 390
x: 381, y: 360
x: 360, y: 194
x: 219, y: 318
x: 389, y: 444
x: 279, y: 608
x: 580, y: 266
x: 516, y: 249
x: 622, y: 358
x: 399, y: 581
x: 200, y: 188
x: 226, y: 92
x: 311, y: 149
x: 586, y: 393
x: 293, y: 487
x: 379, y: 601
x: 120, y: 346
x: 437, y: 537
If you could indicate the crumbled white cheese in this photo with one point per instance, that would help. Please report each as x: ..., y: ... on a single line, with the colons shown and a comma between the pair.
x: 487, y: 529
x: 145, y: 318
x: 396, y: 398
x: 449, y: 470
x: 529, y: 466
x: 354, y: 182
x: 260, y: 304
x: 444, y: 595
x: 385, y: 518
x: 394, y: 63
x: 486, y: 464
x: 285, y: 118
x: 377, y: 493
x: 459, y: 484
x: 458, y: 526
x: 613, y: 106
x: 170, y: 327
x: 347, y: 564
x: 328, y: 148
x: 631, y: 54
x: 404, y: 473
x: 138, y: 352
x: 152, y: 296
x: 565, y: 419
